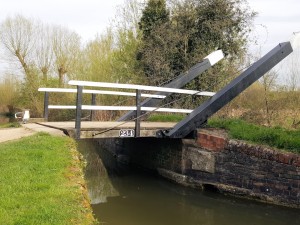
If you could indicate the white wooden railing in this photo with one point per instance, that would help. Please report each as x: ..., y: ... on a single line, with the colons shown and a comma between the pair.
x: 138, y: 95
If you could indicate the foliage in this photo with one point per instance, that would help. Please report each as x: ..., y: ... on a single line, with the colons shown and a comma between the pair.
x: 8, y: 90
x: 154, y: 14
x: 282, y: 108
x: 173, y: 44
x: 35, y: 188
x: 37, y: 53
x: 146, y: 43
x: 274, y: 137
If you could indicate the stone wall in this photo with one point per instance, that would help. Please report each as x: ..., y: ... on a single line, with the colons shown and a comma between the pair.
x: 212, y: 160
x: 242, y: 169
x: 150, y: 153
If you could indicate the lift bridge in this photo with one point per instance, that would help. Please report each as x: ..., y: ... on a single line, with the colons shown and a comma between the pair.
x: 130, y: 124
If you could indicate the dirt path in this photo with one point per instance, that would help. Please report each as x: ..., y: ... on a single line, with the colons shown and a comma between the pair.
x: 8, y: 134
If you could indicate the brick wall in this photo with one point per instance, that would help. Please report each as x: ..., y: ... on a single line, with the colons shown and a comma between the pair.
x: 243, y: 169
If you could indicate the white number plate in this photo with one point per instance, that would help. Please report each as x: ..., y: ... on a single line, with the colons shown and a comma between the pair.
x: 126, y: 133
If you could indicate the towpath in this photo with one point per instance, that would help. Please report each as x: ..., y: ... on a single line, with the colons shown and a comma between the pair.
x: 8, y: 134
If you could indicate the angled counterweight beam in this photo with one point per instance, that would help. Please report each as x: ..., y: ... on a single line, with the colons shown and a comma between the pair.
x: 182, y: 80
x: 200, y: 115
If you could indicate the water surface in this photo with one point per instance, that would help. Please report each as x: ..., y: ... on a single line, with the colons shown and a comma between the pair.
x: 126, y: 196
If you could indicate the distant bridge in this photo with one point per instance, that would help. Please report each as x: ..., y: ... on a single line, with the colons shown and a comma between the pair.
x: 196, y: 117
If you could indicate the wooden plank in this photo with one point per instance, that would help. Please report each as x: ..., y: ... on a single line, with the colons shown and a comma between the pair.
x: 121, y: 108
x: 139, y: 87
x: 103, y: 92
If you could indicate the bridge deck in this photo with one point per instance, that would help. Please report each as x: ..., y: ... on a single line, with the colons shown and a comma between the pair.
x: 98, y: 129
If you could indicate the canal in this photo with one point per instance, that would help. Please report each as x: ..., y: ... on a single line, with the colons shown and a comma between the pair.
x: 121, y: 195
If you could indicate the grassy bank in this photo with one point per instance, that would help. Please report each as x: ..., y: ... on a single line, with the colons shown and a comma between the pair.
x: 41, y: 182
x: 10, y: 125
x: 165, y: 117
x: 275, y: 137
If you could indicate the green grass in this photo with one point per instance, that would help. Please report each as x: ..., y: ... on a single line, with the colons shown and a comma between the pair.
x: 275, y: 137
x: 10, y: 125
x: 165, y: 117
x: 38, y: 184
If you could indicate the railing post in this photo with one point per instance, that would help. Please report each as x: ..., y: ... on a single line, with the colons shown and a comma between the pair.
x: 92, y: 116
x: 78, y: 112
x: 46, y: 104
x: 138, y: 113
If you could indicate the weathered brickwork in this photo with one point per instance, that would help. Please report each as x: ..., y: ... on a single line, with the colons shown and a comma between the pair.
x: 250, y: 170
x: 233, y: 167
x: 210, y: 142
x: 150, y: 153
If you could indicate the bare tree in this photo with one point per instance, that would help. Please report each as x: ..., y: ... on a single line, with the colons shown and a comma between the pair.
x: 66, y: 49
x: 293, y: 82
x: 293, y: 73
x: 268, y: 81
x: 43, y: 53
x: 18, y: 36
x: 128, y: 16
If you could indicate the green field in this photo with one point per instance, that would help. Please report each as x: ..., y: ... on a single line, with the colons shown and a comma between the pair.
x: 41, y: 182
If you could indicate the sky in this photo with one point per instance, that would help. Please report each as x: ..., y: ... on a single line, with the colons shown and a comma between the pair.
x: 86, y: 17
x: 276, y: 22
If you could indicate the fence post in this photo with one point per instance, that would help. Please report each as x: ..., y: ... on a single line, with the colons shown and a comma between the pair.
x: 78, y: 112
x: 92, y: 116
x: 138, y: 113
x: 46, y: 104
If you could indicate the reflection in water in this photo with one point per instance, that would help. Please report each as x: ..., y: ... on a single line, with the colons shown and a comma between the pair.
x: 144, y: 199
x: 98, y: 182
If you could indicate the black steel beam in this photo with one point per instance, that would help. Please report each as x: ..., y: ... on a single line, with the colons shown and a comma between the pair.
x: 182, y: 80
x: 46, y: 104
x: 200, y: 115
x: 78, y: 112
x: 93, y: 102
x: 138, y: 114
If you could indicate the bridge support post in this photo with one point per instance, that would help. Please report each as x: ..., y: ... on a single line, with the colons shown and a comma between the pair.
x: 78, y: 112
x: 46, y: 104
x: 92, y: 116
x: 138, y: 113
